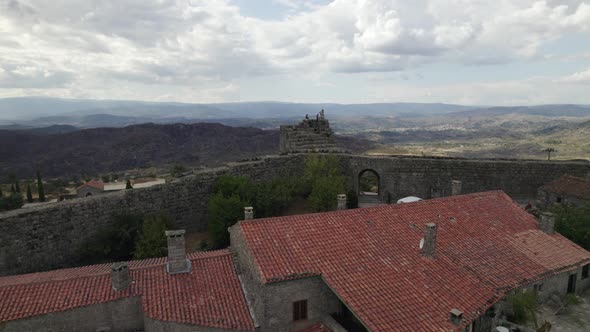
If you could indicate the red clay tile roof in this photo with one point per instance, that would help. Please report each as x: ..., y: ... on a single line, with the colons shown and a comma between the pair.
x: 486, y: 246
x: 210, y: 295
x: 569, y: 185
x: 319, y: 327
x: 92, y: 183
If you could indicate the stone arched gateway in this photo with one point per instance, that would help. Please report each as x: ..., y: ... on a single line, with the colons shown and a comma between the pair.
x: 368, y: 185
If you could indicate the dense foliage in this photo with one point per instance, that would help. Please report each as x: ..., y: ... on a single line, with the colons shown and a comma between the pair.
x: 223, y: 213
x: 323, y: 177
x: 233, y: 193
x: 11, y: 202
x: 574, y: 223
x: 128, y: 236
x: 321, y: 183
x: 152, y: 240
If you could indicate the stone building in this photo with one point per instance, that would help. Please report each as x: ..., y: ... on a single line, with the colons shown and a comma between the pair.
x: 90, y: 188
x: 567, y: 189
x: 310, y: 135
x: 196, y: 292
x: 444, y: 264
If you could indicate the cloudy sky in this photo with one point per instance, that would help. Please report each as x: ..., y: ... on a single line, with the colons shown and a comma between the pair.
x: 349, y: 51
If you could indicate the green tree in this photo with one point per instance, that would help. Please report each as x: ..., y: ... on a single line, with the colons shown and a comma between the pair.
x: 152, y: 240
x: 317, y: 167
x: 11, y: 202
x: 574, y: 223
x: 40, y: 190
x: 324, y: 192
x: 105, y: 178
x: 229, y: 185
x: 128, y: 184
x: 223, y: 213
x: 1, y: 193
x: 12, y: 190
x: 17, y: 186
x: 29, y: 194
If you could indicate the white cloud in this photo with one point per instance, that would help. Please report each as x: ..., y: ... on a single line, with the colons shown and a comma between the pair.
x: 145, y: 46
x: 582, y: 77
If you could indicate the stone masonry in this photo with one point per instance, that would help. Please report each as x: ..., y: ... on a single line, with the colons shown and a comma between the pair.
x: 310, y: 135
x: 49, y: 236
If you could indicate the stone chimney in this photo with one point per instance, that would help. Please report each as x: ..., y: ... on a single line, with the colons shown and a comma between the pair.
x: 248, y: 213
x: 456, y: 317
x: 547, y: 222
x: 341, y: 202
x: 177, y: 261
x: 429, y: 246
x: 456, y: 187
x: 120, y: 276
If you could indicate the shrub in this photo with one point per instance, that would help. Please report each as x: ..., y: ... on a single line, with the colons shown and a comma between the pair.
x: 223, y: 213
x: 524, y: 307
x: 11, y: 202
x: 574, y: 223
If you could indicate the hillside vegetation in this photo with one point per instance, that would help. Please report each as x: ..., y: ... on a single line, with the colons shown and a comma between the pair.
x: 91, y: 152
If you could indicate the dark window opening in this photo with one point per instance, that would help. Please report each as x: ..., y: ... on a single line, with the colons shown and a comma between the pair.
x: 585, y: 271
x: 300, y: 310
x: 571, y: 283
x: 538, y: 287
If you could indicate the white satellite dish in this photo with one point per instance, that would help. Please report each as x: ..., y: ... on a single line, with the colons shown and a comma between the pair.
x: 421, y: 243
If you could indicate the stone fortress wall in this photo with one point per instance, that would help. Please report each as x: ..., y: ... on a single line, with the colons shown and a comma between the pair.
x: 47, y: 237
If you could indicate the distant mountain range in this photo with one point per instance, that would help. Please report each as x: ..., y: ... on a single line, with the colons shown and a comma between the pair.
x: 34, y: 112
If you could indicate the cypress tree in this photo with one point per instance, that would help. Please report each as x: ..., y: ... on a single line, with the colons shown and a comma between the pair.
x: 12, y: 190
x: 29, y: 194
x: 1, y: 193
x: 40, y: 188
x: 128, y: 185
x: 17, y: 186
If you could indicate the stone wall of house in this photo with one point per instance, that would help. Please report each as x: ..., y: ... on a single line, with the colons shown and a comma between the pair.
x: 152, y: 325
x: 116, y: 316
x: 272, y: 303
x: 549, y: 198
x: 50, y: 236
x: 428, y: 177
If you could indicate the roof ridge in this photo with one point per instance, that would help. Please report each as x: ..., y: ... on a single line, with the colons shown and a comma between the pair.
x: 388, y: 206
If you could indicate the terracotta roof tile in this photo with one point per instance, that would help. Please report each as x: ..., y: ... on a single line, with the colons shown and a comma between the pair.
x: 486, y: 245
x: 319, y: 327
x: 569, y: 185
x: 92, y: 183
x: 210, y: 295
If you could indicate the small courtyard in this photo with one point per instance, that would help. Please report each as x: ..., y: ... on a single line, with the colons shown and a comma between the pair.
x: 568, y: 318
